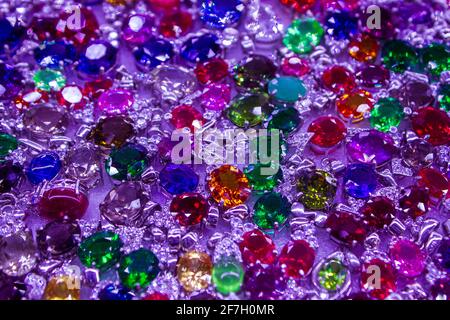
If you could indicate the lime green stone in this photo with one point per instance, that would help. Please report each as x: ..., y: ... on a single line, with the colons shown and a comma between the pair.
x: 271, y: 210
x: 260, y: 180
x: 49, y: 80
x: 435, y: 58
x: 8, y: 143
x: 387, y: 113
x: 228, y: 275
x: 444, y: 97
x: 332, y: 275
x: 138, y: 269
x: 249, y: 110
x: 317, y: 189
x: 399, y: 56
x: 303, y: 35
x: 101, y: 250
x: 286, y: 120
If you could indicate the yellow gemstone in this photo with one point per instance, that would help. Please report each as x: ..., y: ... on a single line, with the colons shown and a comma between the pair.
x: 229, y: 186
x: 194, y: 270
x: 62, y: 288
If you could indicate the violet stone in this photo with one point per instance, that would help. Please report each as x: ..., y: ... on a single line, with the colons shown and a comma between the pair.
x: 407, y: 257
x: 137, y: 29
x: 373, y: 76
x: 415, y: 94
x: 360, y: 180
x: 264, y: 282
x: 444, y: 254
x: 115, y: 101
x: 10, y: 82
x: 417, y: 153
x: 371, y: 147
x: 58, y: 238
x: 216, y: 96
x: 411, y: 13
x: 10, y: 175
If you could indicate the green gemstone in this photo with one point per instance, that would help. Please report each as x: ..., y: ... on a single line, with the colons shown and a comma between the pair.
x: 387, y: 113
x: 444, y: 96
x: 303, y: 35
x: 127, y: 162
x: 435, y: 58
x: 49, y: 80
x: 399, y: 56
x: 271, y: 210
x: 254, y: 72
x: 8, y: 143
x: 249, y: 110
x: 286, y: 89
x: 138, y: 269
x: 317, y: 189
x: 263, y: 150
x: 332, y: 275
x: 260, y: 180
x: 286, y: 120
x: 101, y: 250
x: 228, y: 275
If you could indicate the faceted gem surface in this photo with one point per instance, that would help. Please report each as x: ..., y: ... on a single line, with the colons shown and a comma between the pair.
x: 221, y: 13
x: 127, y: 162
x: 97, y: 56
x: 96, y: 87
x: 271, y: 210
x: 332, y: 275
x: 341, y: 25
x: 113, y: 131
x: 228, y: 186
x: 18, y: 254
x: 176, y: 24
x: 295, y: 66
x: 44, y: 121
x: 387, y: 284
x: 407, y: 258
x: 80, y: 33
x: 259, y: 180
x: 115, y: 292
x: 13, y: 33
x: 212, y: 70
x: 433, y: 123
x: 185, y: 116
x: 153, y: 52
x: 317, y: 188
x: 373, y: 76
x: 346, y: 228
x: 378, y: 212
x: 137, y: 29
x: 303, y: 35
x: 254, y: 72
x: 388, y: 113
x: 228, y: 275
x: 328, y: 131
x: 435, y: 58
x: 201, y: 48
x: 249, y: 109
x: 178, y: 178
x: 8, y: 143
x: 286, y: 89
x: 371, y: 147
x: 435, y: 181
x: 115, y: 101
x: 444, y: 97
x: 286, y: 120
x: 102, y: 250
x: 360, y: 180
x: 29, y: 98
x: 299, y: 5
x: 216, y: 96
x: 59, y: 238
x: 54, y: 54
x: 84, y: 165
x: 138, y: 268
x: 194, y: 270
x: 257, y: 247
x: 190, y: 208
x: 10, y: 82
x: 11, y: 175
x: 296, y: 259
x: 71, y: 96
x: 363, y: 48
x: 399, y: 56
x: 415, y: 202
x: 338, y: 79
x: 60, y: 202
x: 44, y: 166
x: 354, y: 105
x: 156, y: 296
x: 416, y: 94
x: 58, y: 288
x: 264, y: 282
x: 417, y: 153
x: 49, y: 80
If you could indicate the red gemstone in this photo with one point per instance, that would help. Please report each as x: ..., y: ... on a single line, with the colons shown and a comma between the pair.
x: 415, y: 202
x: 96, y: 87
x: 29, y: 98
x: 338, y: 79
x: 175, y: 24
x: 165, y: 5
x: 294, y: 66
x: 186, y: 116
x: 433, y: 123
x: 62, y: 202
x: 44, y: 28
x: 328, y: 131
x: 378, y: 279
x: 257, y: 247
x: 346, y: 228
x: 190, y: 208
x: 212, y: 70
x: 297, y: 258
x: 378, y: 212
x: 156, y: 296
x: 71, y: 96
x: 79, y: 29
x: 436, y: 182
x: 299, y: 5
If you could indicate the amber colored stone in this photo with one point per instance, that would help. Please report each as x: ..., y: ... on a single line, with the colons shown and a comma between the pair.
x: 364, y: 48
x: 353, y: 105
x: 62, y: 288
x: 229, y: 186
x: 111, y: 132
x: 194, y: 270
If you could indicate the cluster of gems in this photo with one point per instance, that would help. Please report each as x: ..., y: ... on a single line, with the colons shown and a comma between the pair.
x: 92, y: 205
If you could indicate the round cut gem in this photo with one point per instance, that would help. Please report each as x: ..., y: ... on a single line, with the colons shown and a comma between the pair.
x: 327, y: 131
x: 228, y: 275
x: 153, y: 52
x: 59, y: 238
x: 341, y: 25
x: 178, y: 178
x: 354, y: 105
x: 295, y: 66
x: 254, y: 72
x: 363, y: 48
x: 201, y: 48
x: 127, y: 162
x: 286, y: 120
x: 432, y: 123
x: 371, y: 147
x: 415, y: 201
x: 173, y: 83
x: 373, y: 76
x: 194, y: 270
x: 259, y: 180
x: 249, y: 109
x: 299, y: 5
x: 189, y: 208
x: 62, y: 202
x: 264, y: 282
x: 102, y: 250
x: 10, y: 81
x: 216, y: 96
x: 228, y: 186
x: 332, y: 275
x: 387, y: 282
x: 407, y: 257
x: 176, y: 24
x: 416, y: 94
x: 435, y: 181
x: 360, y: 180
x: 317, y: 189
x: 115, y: 101
x: 30, y: 97
x: 115, y: 292
x: 417, y: 153
x: 286, y: 89
x: 71, y: 96
x: 44, y: 121
x: 338, y: 79
x: 11, y: 175
x: 346, y: 228
x: 18, y: 254
x: 185, y: 116
x: 297, y: 258
x: 399, y: 56
x: 137, y: 29
x: 8, y: 143
x: 212, y: 70
x: 54, y: 54
x: 378, y: 212
x: 111, y: 132
x: 303, y: 35
x: 49, y: 80
x: 138, y: 268
x: 271, y: 211
x: 58, y: 288
x: 257, y: 248
x: 97, y: 57
x: 44, y: 166
x: 444, y: 97
x: 81, y: 31
x: 221, y: 13
x: 84, y: 165
x: 387, y: 114
x: 436, y: 59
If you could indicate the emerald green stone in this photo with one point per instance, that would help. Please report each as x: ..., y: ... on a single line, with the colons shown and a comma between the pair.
x: 435, y: 58
x: 286, y: 120
x: 444, y: 96
x: 271, y: 210
x: 49, y: 80
x: 332, y: 275
x: 228, y: 275
x: 273, y: 151
x: 127, y: 162
x: 387, y: 113
x: 286, y: 89
x: 259, y: 180
x: 8, y: 143
x: 399, y: 56
x: 249, y: 110
x: 303, y: 35
x: 138, y: 269
x: 101, y: 250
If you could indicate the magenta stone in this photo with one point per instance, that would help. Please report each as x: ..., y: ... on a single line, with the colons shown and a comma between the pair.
x: 115, y: 101
x: 407, y: 257
x: 264, y: 282
x: 373, y: 76
x: 371, y: 147
x: 216, y: 96
x: 137, y: 29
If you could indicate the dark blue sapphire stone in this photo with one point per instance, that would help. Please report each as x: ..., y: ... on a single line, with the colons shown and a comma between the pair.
x: 44, y: 166
x: 202, y: 48
x: 10, y: 35
x: 10, y: 82
x: 96, y: 56
x: 52, y: 54
x: 221, y: 13
x: 153, y: 53
x: 444, y: 252
x: 178, y: 178
x: 341, y: 25
x: 360, y: 180
x: 115, y: 292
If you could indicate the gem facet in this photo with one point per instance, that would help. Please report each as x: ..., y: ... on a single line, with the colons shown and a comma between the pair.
x: 127, y: 162
x: 58, y: 288
x: 371, y: 147
x: 138, y: 268
x: 153, y: 52
x: 101, y: 250
x: 137, y: 29
x: 229, y: 186
x: 256, y: 247
x: 249, y: 109
x: 354, y: 105
x: 98, y: 56
x: 194, y: 270
x: 286, y: 120
x: 11, y: 175
x: 346, y: 228
x: 18, y: 254
x: 8, y: 143
x: 433, y: 123
x: 178, y: 178
x: 399, y: 56
x: 228, y: 275
x: 112, y: 131
x: 341, y: 25
x: 338, y: 79
x: 363, y: 48
x: 332, y: 275
x: 271, y: 211
x: 387, y: 113
x: 176, y: 24
x: 261, y: 181
x: 59, y: 238
x: 407, y: 258
x: 317, y: 188
x: 303, y: 35
x: 221, y: 13
x: 115, y: 101
x: 387, y: 282
x: 185, y: 116
x: 297, y: 258
x: 415, y: 202
x: 286, y: 89
x: 328, y: 131
x: 360, y: 180
x: 201, y: 48
x: 254, y: 72
x: 190, y: 208
x: 49, y: 80
x: 378, y: 212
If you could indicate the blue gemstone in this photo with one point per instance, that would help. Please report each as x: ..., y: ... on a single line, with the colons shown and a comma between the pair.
x: 444, y: 254
x: 202, y: 48
x: 115, y: 292
x: 44, y: 166
x: 360, y: 180
x: 97, y: 56
x: 10, y: 35
x: 178, y: 178
x: 341, y: 25
x: 52, y: 54
x: 10, y: 82
x: 221, y: 13
x: 153, y: 53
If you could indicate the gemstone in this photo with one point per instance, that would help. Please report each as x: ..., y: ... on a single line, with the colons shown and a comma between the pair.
x: 257, y: 248
x: 435, y: 181
x: 113, y: 131
x: 164, y: 5
x: 296, y: 259
x: 444, y: 97
x: 185, y: 116
x: 327, y: 131
x: 294, y: 65
x: 153, y: 52
x: 84, y: 165
x: 62, y: 202
x: 386, y: 284
x: 360, y: 180
x: 44, y: 166
x: 254, y: 72
x: 388, y: 113
x: 49, y: 80
x: 30, y: 97
x: 96, y: 87
x: 399, y: 56
x: 97, y: 57
x: 249, y: 109
x: 261, y: 181
x: 10, y: 81
x: 355, y: 105
x: 221, y: 13
x: 345, y: 228
x: 444, y: 254
x: 137, y: 29
x: 18, y: 254
x: 194, y: 270
x: 433, y: 124
x: 415, y: 201
x: 80, y: 31
x: 412, y: 13
x: 299, y: 5
x: 8, y: 143
x: 127, y: 162
x: 373, y: 76
x: 178, y: 178
x: 101, y: 250
x: 338, y: 79
x: 11, y: 175
x: 388, y: 29
x: 317, y: 189
x: 441, y: 289
x: 344, y: 5
x: 264, y: 282
x: 59, y: 238
x: 228, y: 186
x: 10, y: 290
x: 407, y: 257
x: 71, y: 96
x: 341, y: 25
x: 156, y: 296
x: 54, y: 54
x: 228, y: 275
x: 12, y: 35
x: 201, y: 48
x: 332, y: 275
x: 61, y: 287
x: 435, y: 58
x: 176, y: 24
x: 286, y: 89
x: 43, y: 28
x: 271, y: 211
x: 212, y: 70
x: 173, y: 82
x: 303, y: 35
x: 115, y: 101
x: 378, y: 212
x: 363, y: 48
x: 263, y: 150
x: 45, y: 121
x: 125, y: 204
x: 189, y: 208
x: 115, y: 292
x: 286, y: 119
x: 415, y: 94
x: 371, y: 147
x: 138, y: 269
x: 216, y: 96
x: 417, y: 153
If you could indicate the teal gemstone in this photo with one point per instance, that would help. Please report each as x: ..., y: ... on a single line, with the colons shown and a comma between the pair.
x: 286, y: 120
x: 271, y: 210
x: 286, y: 89
x: 138, y: 269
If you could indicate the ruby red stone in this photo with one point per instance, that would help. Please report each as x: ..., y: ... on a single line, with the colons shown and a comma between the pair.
x: 29, y: 98
x: 387, y: 281
x: 436, y: 182
x: 300, y: 6
x: 415, y: 201
x: 190, y: 208
x: 378, y: 212
x: 338, y: 79
x: 44, y: 28
x: 96, y: 87
x: 297, y: 258
x: 433, y: 123
x: 164, y: 5
x: 346, y: 228
x: 212, y: 70
x: 407, y: 258
x: 62, y: 202
x: 186, y: 116
x: 71, y: 96
x: 80, y: 33
x: 328, y: 131
x: 156, y: 296
x: 257, y: 247
x: 175, y: 24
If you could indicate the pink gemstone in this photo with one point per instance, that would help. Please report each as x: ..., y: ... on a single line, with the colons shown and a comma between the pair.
x: 115, y: 101
x: 407, y: 257
x: 137, y: 29
x: 294, y: 66
x: 215, y: 96
x: 186, y: 116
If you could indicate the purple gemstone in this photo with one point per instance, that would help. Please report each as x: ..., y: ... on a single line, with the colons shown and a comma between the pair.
x: 10, y: 290
x: 415, y: 94
x: 411, y: 13
x: 137, y: 29
x: 407, y: 257
x: 264, y: 282
x: 441, y: 289
x: 444, y: 254
x: 216, y: 96
x: 10, y: 175
x: 371, y: 147
x: 373, y: 76
x: 10, y: 82
x: 115, y: 101
x: 387, y: 31
x: 58, y: 238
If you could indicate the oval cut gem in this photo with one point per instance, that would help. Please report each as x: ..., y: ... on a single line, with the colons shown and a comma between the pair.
x: 61, y: 202
x: 178, y: 178
x: 371, y: 147
x: 101, y: 250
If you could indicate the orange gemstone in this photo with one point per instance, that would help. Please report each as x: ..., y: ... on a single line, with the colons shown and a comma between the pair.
x: 228, y: 185
x: 353, y: 105
x: 363, y: 48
